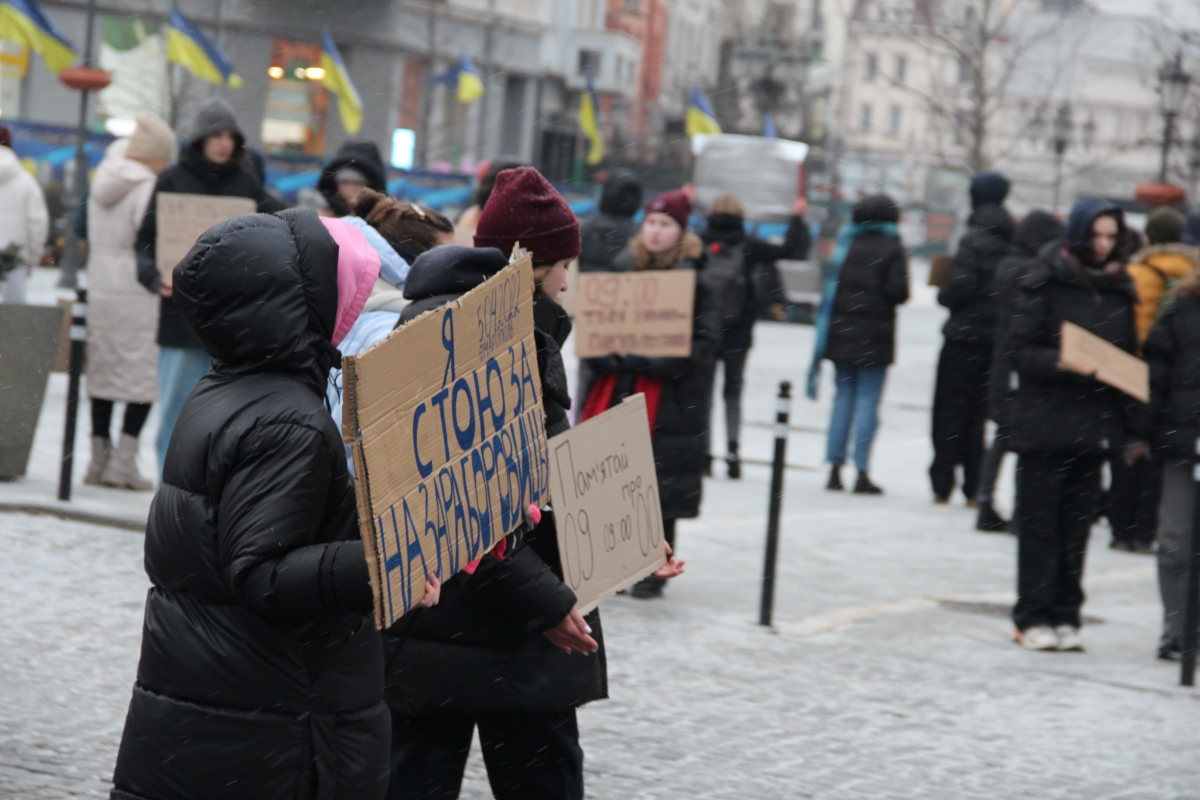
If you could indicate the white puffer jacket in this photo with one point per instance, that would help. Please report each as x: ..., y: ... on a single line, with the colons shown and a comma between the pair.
x: 23, y: 216
x: 122, y: 322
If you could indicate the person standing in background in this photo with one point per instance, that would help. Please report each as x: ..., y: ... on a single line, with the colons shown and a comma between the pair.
x: 210, y: 163
x: 24, y: 222
x: 464, y: 226
x: 1037, y: 230
x: 856, y: 330
x: 356, y: 166
x: 1064, y: 425
x: 122, y: 362
x: 742, y: 275
x: 605, y: 235
x: 961, y: 395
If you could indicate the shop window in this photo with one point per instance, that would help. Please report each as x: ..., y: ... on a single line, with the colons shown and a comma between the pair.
x: 294, y: 123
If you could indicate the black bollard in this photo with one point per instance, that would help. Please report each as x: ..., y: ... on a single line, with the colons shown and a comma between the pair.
x: 782, y: 405
x: 1191, y: 606
x: 78, y: 346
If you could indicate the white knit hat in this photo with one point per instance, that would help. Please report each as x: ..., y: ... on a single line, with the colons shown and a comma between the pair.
x: 152, y: 139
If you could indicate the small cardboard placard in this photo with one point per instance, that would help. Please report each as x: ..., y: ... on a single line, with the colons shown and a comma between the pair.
x: 1087, y: 354
x: 939, y: 270
x: 182, y: 218
x: 606, y: 503
x: 448, y: 436
x: 644, y: 313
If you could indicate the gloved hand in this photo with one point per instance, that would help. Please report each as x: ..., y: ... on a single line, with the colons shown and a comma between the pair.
x: 633, y: 363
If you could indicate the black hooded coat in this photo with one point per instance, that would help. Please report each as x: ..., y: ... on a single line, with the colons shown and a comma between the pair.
x: 195, y: 174
x: 261, y: 673
x: 606, y: 234
x: 969, y: 293
x: 361, y: 156
x: 481, y: 649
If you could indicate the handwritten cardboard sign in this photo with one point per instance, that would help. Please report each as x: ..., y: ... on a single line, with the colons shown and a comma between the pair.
x: 1086, y: 353
x: 182, y: 218
x: 606, y: 503
x: 643, y: 313
x: 448, y: 437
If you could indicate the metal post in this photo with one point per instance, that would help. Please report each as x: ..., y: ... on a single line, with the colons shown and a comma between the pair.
x: 1191, y: 606
x: 782, y: 405
x: 71, y: 251
x: 486, y: 77
x: 78, y: 346
x: 1168, y: 130
x: 425, y: 123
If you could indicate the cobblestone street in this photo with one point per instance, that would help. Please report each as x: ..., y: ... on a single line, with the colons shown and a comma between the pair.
x: 889, y: 673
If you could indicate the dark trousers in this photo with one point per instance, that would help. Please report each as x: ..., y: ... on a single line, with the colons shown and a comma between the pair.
x: 733, y: 368
x: 959, y: 411
x: 531, y: 755
x: 102, y: 411
x: 1057, y: 495
x: 1133, y: 499
x: 990, y: 469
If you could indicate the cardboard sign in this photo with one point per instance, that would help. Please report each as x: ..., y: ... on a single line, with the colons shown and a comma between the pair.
x: 643, y: 313
x: 448, y: 437
x: 606, y: 503
x: 939, y: 270
x: 182, y: 218
x: 1086, y: 353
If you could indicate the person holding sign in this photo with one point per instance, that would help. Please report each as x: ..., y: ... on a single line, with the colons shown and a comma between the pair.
x: 1063, y: 424
x: 260, y: 668
x: 678, y: 390
x: 507, y: 650
x: 212, y: 162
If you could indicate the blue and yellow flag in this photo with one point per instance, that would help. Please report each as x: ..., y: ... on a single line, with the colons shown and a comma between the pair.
x: 337, y: 80
x: 469, y: 85
x: 589, y: 120
x: 700, y: 117
x: 188, y: 47
x: 23, y: 22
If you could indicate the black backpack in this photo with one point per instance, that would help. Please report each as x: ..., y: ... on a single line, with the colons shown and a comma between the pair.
x: 725, y: 277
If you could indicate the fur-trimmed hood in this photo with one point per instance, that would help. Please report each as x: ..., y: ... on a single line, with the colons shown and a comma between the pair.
x: 689, y: 247
x: 1190, y: 252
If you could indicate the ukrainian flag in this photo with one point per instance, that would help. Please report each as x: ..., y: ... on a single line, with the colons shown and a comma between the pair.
x: 469, y: 85
x: 195, y: 52
x: 23, y: 22
x: 589, y: 120
x: 700, y: 117
x: 337, y: 80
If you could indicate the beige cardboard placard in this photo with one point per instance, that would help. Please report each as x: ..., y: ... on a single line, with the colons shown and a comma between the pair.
x: 1086, y: 353
x: 939, y: 270
x: 448, y: 437
x: 182, y: 218
x: 606, y: 503
x: 643, y: 313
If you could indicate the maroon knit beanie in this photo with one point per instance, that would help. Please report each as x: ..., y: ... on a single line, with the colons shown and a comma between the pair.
x: 5, y: 136
x: 525, y: 208
x: 674, y: 204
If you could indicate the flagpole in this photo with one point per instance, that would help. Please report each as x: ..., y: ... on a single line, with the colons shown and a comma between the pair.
x: 71, y: 252
x: 486, y: 75
x: 219, y: 23
x: 427, y: 92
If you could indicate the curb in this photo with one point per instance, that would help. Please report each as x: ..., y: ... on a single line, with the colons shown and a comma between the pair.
x: 75, y: 515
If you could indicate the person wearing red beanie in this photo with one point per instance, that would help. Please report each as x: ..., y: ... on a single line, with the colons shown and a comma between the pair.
x: 524, y: 208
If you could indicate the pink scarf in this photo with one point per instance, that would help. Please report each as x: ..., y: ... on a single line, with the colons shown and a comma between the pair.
x: 357, y: 271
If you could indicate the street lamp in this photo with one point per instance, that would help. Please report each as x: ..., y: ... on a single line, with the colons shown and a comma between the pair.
x: 772, y: 68
x: 1172, y: 86
x: 1061, y: 141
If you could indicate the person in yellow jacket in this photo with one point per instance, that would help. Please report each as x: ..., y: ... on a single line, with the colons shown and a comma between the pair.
x: 1156, y: 269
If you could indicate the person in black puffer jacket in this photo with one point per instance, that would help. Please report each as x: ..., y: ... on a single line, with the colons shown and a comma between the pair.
x: 506, y: 650
x: 261, y: 673
x: 606, y: 234
x: 861, y: 343
x: 1173, y: 424
x: 213, y: 162
x: 356, y: 166
x: 741, y: 272
x: 1034, y: 232
x: 1063, y: 425
x: 961, y: 395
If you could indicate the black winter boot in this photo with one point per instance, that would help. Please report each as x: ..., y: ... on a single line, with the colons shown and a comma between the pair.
x: 733, y: 464
x: 648, y: 588
x: 863, y: 485
x: 989, y: 521
x: 835, y: 479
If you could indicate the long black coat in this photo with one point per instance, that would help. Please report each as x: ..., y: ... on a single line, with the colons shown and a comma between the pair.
x: 874, y: 280
x: 481, y: 649
x: 261, y: 673
x: 970, y: 293
x: 680, y: 434
x: 194, y: 174
x: 1057, y: 410
x: 1173, y: 352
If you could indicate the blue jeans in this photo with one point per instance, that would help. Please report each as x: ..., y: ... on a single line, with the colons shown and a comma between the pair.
x: 857, y: 401
x: 179, y: 370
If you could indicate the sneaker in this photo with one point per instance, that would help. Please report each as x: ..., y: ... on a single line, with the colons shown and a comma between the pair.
x: 863, y: 485
x: 101, y: 455
x: 835, y: 479
x: 1068, y: 639
x: 1039, y: 637
x: 989, y: 521
x: 648, y: 588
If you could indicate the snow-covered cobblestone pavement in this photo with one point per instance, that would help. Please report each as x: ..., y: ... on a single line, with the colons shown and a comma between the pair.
x: 889, y: 673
